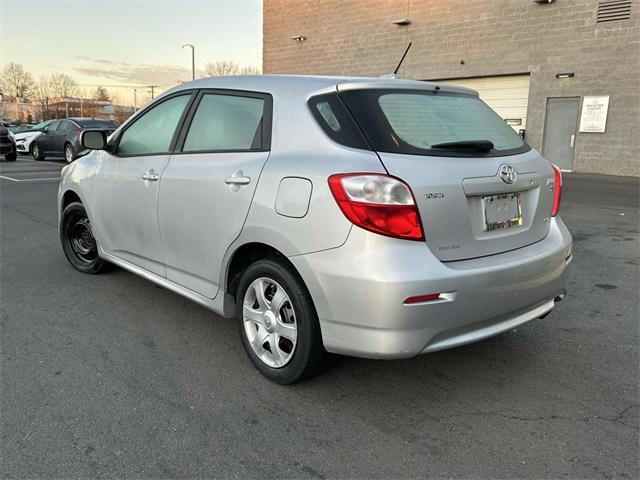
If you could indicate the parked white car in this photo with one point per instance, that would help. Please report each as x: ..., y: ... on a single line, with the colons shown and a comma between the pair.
x: 24, y: 139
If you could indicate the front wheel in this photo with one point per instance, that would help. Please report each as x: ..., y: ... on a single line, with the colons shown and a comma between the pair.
x: 278, y: 323
x: 78, y: 243
x: 36, y: 152
x: 11, y: 157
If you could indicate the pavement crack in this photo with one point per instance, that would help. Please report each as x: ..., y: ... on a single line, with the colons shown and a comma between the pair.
x: 615, y: 419
x: 28, y: 215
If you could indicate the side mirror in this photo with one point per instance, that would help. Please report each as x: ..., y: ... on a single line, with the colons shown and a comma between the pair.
x: 93, y: 139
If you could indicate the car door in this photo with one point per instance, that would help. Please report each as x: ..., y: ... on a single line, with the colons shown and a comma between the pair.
x: 125, y: 191
x: 206, y: 189
x: 46, y: 139
x: 62, y: 133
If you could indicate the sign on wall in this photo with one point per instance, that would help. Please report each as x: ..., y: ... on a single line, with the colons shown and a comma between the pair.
x: 593, y: 118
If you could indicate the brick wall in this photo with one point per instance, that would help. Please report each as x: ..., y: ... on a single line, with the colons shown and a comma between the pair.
x: 493, y: 37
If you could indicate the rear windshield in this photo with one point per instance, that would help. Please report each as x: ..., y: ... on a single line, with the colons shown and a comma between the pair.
x: 93, y: 123
x: 420, y: 122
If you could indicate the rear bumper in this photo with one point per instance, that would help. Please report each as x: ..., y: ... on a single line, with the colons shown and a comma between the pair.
x: 359, y: 289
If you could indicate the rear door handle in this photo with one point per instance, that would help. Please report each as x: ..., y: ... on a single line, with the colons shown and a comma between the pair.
x: 237, y: 180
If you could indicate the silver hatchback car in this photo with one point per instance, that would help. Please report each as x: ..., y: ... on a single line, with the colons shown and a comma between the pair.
x: 378, y: 218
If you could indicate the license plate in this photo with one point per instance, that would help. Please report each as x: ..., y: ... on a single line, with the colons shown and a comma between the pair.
x: 502, y: 211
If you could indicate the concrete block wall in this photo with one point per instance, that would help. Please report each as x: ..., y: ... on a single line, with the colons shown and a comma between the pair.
x: 492, y: 37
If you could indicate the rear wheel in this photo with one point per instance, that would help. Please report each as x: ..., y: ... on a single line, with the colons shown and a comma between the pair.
x: 278, y: 323
x: 78, y: 243
x: 69, y: 153
x: 36, y: 152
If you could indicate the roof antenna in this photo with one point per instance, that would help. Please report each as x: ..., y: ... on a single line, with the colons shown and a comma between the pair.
x: 394, y: 74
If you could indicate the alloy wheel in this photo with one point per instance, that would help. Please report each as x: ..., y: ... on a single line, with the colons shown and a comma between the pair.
x: 68, y: 154
x: 270, y: 322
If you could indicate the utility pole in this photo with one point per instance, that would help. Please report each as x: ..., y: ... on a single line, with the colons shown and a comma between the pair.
x: 135, y: 100
x: 81, y: 107
x: 152, y: 87
x: 193, y: 59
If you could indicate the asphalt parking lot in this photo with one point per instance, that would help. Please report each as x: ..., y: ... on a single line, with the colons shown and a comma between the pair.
x: 111, y: 376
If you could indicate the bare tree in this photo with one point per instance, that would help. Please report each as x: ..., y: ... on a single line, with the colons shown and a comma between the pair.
x: 250, y: 70
x: 43, y: 95
x: 221, y: 68
x: 63, y: 85
x: 102, y: 94
x: 16, y: 81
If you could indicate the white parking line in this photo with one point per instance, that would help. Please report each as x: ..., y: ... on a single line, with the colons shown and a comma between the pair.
x: 11, y: 179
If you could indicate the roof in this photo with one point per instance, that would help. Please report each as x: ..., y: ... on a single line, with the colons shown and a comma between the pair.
x: 287, y: 83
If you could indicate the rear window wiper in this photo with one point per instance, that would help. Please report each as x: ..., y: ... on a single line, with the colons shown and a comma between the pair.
x: 466, y: 146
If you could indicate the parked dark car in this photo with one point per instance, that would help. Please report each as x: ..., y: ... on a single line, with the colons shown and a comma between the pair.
x: 61, y: 138
x: 7, y: 145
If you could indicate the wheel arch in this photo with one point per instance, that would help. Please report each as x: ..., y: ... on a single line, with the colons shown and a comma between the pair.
x: 245, y: 255
x: 68, y: 198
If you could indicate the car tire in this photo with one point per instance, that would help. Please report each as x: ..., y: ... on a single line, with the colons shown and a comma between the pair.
x: 78, y: 243
x: 290, y: 328
x: 36, y: 152
x: 11, y: 157
x: 69, y: 153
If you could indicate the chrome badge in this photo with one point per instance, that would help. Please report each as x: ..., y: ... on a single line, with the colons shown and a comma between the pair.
x: 508, y: 174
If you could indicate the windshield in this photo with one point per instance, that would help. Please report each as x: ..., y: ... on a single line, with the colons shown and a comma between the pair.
x: 93, y: 123
x: 431, y: 123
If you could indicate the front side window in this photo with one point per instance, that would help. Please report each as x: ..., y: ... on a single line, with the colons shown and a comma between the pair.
x: 153, y: 132
x: 53, y: 126
x: 226, y: 122
x: 430, y: 123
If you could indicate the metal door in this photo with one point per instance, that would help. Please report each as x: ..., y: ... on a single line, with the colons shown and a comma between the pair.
x: 561, y: 126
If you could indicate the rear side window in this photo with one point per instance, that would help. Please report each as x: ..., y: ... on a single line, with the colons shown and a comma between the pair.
x: 336, y: 121
x: 67, y: 127
x: 226, y: 122
x: 420, y: 122
x: 153, y: 132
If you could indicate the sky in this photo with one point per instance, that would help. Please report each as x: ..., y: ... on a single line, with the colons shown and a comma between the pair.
x: 121, y: 44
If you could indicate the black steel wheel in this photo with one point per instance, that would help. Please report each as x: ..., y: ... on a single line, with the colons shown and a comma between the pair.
x: 78, y: 243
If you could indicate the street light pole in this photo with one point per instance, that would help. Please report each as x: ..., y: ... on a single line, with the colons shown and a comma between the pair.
x: 193, y: 59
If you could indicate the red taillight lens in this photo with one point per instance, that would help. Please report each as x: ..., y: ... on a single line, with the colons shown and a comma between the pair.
x: 378, y: 203
x: 557, y: 190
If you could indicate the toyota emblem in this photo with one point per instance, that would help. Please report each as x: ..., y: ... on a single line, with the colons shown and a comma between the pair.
x: 508, y: 174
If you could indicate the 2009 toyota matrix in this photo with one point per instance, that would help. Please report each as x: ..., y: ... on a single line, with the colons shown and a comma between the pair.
x: 378, y: 218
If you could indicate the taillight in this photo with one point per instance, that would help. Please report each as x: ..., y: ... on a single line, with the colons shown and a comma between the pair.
x: 378, y: 203
x: 557, y: 190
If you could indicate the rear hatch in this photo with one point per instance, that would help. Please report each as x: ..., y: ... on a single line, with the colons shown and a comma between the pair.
x: 479, y: 188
